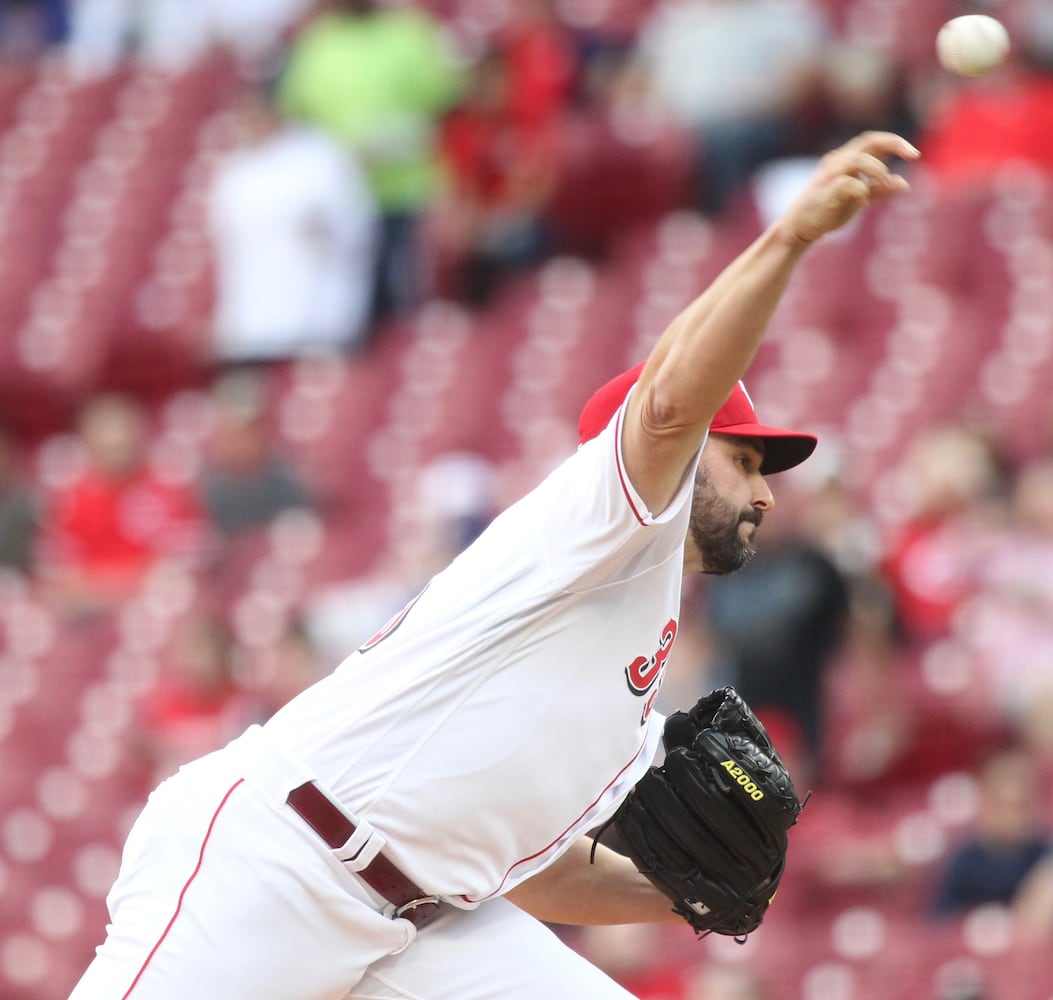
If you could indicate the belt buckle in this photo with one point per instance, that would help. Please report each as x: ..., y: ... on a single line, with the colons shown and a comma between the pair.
x: 418, y: 912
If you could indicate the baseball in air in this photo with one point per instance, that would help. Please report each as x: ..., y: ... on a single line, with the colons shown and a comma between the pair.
x: 972, y: 44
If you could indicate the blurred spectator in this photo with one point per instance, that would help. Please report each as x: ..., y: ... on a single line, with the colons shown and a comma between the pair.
x: 951, y: 479
x: 775, y: 626
x: 102, y: 33
x: 836, y: 517
x: 884, y: 743
x: 103, y: 531
x: 245, y: 481
x: 380, y: 79
x: 1008, y: 856
x: 736, y: 74
x: 174, y: 34
x: 862, y: 86
x: 500, y: 151
x: 28, y: 27
x: 197, y: 705
x: 844, y: 846
x: 282, y: 669
x: 294, y: 232
x: 888, y: 735
x: 543, y: 64
x: 18, y: 508
x: 501, y: 171
x: 1008, y: 625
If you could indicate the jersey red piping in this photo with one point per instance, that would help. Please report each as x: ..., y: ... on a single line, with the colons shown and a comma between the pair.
x: 547, y: 847
x: 186, y: 886
x: 621, y: 472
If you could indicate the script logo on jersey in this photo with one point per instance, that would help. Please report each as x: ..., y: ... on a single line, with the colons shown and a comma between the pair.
x: 645, y: 673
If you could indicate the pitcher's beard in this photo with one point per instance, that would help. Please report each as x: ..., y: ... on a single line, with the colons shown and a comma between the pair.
x: 715, y: 530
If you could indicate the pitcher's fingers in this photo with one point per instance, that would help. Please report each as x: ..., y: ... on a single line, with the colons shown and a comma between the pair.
x: 882, y: 144
x: 892, y: 185
x: 848, y: 189
x: 868, y: 167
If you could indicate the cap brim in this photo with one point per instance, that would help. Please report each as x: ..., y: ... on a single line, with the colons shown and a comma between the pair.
x: 783, y: 449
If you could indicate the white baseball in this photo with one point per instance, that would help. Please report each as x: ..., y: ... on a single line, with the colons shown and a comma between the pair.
x: 972, y: 44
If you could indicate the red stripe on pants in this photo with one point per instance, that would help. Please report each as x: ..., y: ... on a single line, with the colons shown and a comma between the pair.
x: 179, y: 905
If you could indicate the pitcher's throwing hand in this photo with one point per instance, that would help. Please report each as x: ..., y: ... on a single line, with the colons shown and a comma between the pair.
x: 846, y: 180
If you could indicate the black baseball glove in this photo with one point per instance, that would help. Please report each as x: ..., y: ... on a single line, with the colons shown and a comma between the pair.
x: 709, y: 826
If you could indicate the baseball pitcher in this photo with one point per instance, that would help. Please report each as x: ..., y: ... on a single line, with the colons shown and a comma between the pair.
x: 403, y: 828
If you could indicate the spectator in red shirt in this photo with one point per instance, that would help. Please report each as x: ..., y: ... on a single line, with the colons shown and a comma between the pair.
x: 1012, y: 109
x: 118, y: 517
x: 1014, y: 114
x: 500, y: 171
x: 952, y: 480
x: 500, y: 154
x: 542, y: 62
x: 198, y: 703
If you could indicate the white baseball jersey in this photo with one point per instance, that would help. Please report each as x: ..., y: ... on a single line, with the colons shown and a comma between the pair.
x: 504, y: 713
x: 507, y: 710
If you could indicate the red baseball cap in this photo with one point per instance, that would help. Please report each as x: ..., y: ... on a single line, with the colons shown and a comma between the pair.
x: 783, y: 449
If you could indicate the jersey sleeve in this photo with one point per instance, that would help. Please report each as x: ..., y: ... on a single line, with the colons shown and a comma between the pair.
x: 591, y: 522
x: 612, y: 447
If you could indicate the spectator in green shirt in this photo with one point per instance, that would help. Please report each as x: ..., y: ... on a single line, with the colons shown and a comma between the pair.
x: 380, y: 79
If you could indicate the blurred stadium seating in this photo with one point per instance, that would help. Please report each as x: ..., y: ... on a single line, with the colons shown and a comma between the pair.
x: 929, y: 308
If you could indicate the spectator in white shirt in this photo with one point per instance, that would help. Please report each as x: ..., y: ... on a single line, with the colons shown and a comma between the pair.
x: 293, y: 227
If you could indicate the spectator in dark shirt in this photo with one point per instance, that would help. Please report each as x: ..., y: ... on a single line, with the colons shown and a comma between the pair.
x: 29, y: 27
x: 775, y: 626
x: 1008, y: 852
x: 246, y: 482
x: 18, y: 508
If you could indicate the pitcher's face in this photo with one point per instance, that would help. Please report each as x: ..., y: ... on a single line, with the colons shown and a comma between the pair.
x: 730, y: 500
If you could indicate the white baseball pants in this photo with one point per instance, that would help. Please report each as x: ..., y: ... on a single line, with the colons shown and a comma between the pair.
x: 224, y: 893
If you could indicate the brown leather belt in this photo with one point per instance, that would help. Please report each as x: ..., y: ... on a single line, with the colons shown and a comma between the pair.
x: 410, y: 902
